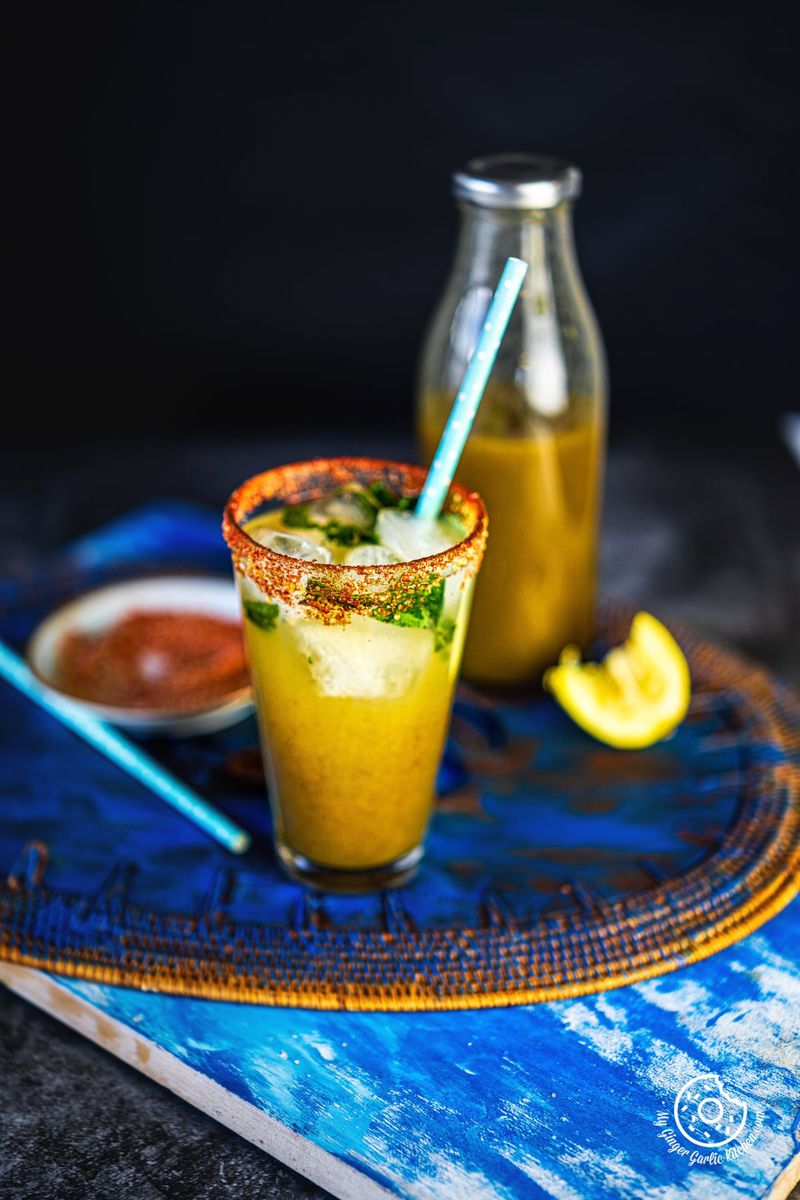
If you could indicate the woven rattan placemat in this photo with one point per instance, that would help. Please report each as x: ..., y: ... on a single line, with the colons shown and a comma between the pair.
x: 554, y: 867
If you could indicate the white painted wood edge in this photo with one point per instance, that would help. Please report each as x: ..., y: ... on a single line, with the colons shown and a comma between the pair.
x: 251, y: 1123
x: 197, y: 1089
x: 786, y: 1181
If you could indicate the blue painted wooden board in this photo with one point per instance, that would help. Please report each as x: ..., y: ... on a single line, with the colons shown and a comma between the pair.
x: 553, y: 1100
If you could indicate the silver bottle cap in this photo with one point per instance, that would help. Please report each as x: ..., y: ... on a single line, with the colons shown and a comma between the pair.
x: 517, y: 181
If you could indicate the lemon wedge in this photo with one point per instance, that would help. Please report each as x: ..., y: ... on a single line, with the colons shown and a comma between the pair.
x: 637, y: 695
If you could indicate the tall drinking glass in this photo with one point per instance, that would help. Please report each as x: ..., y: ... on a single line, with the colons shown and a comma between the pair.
x: 354, y: 669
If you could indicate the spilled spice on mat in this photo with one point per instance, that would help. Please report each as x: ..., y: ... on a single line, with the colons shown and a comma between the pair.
x: 179, y: 661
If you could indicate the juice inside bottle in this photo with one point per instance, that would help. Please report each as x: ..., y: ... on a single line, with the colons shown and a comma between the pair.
x: 542, y: 486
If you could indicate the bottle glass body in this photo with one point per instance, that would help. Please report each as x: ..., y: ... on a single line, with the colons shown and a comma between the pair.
x: 536, y: 451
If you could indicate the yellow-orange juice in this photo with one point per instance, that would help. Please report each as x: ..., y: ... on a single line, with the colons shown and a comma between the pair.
x: 541, y: 484
x: 353, y: 720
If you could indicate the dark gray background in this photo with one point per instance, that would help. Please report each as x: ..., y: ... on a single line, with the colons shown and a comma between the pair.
x: 240, y: 214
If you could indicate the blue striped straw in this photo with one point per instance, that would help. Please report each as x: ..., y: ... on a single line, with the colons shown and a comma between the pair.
x: 459, y: 424
x: 126, y: 755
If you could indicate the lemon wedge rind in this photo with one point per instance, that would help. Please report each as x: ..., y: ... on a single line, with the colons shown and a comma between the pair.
x: 635, y: 697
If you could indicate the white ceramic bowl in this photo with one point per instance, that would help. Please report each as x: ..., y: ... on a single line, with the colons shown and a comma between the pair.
x: 103, y: 607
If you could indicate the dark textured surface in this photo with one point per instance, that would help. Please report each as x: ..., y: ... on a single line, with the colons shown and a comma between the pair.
x: 80, y: 1123
x: 709, y: 534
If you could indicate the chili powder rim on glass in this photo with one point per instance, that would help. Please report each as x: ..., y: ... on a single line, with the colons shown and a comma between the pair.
x: 340, y: 590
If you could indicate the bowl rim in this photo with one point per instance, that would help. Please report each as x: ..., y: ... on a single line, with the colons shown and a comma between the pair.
x: 118, y: 715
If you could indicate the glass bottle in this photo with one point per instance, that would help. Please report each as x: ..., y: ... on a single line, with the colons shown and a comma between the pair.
x: 537, y: 449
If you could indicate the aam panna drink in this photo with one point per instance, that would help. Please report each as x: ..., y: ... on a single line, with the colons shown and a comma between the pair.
x: 541, y: 482
x: 354, y: 652
x: 536, y: 450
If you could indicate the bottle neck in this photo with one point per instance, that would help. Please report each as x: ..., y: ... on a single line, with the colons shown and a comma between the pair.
x: 542, y: 237
x: 551, y: 356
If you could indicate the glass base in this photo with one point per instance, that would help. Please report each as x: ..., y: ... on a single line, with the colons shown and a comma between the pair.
x: 363, y: 879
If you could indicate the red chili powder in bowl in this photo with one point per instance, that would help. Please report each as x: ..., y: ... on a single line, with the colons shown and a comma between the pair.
x: 173, y: 661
